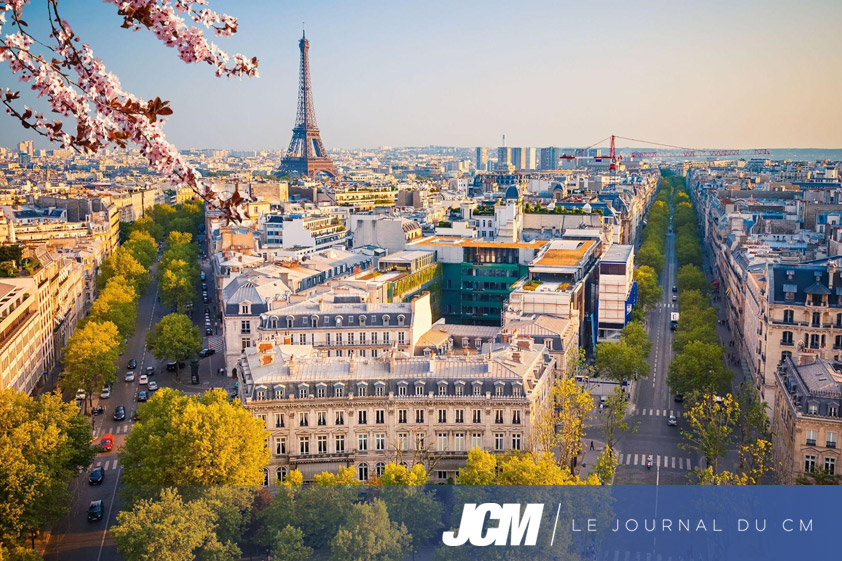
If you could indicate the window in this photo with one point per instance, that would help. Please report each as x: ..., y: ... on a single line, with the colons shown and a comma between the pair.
x: 402, y: 440
x: 785, y: 355
x: 460, y: 390
x: 321, y: 444
x: 321, y: 418
x: 811, y: 438
x: 374, y: 338
x: 476, y: 416
x: 304, y: 445
x: 279, y: 420
x: 362, y: 417
x: 350, y: 338
x: 362, y: 472
x: 809, y: 463
x: 498, y: 390
x: 476, y: 440
x: 338, y: 321
x: 385, y: 320
x: 362, y: 339
x: 261, y: 394
x: 245, y: 309
x: 831, y: 440
x: 362, y: 320
x: 498, y: 441
x: 362, y: 390
x: 814, y: 341
x: 321, y: 391
x: 786, y: 338
x: 460, y: 416
x: 442, y: 389
x: 515, y: 417
x: 265, y: 476
x: 380, y: 441
x: 302, y: 420
x: 419, y: 389
x: 280, y: 446
x: 401, y: 320
x: 338, y: 391
x: 817, y: 321
x: 340, y: 417
x: 262, y: 418
x: 245, y: 342
x: 379, y: 390
x: 477, y: 389
x: 419, y: 415
x: 245, y: 326
x: 327, y: 338
x: 788, y: 316
x: 401, y: 415
x: 379, y: 417
x: 830, y: 466
x: 386, y: 338
x: 442, y: 441
x: 401, y: 338
x: 303, y: 391
x: 459, y: 441
x: 832, y: 411
x: 498, y: 416
x: 362, y: 442
x: 380, y: 466
x: 516, y: 439
x: 338, y: 338
x: 813, y: 409
x: 837, y: 342
x: 419, y: 440
x: 281, y: 473
x: 339, y: 441
x: 442, y: 415
x: 838, y: 320
x: 402, y: 390
x: 302, y: 338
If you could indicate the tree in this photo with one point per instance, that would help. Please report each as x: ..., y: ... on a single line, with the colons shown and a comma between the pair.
x: 196, y: 440
x: 148, y: 225
x: 561, y: 425
x: 122, y: 263
x: 168, y: 529
x: 649, y: 292
x: 174, y: 337
x: 176, y: 286
x: 288, y: 545
x: 345, y: 476
x: 408, y: 503
x: 117, y: 303
x: 369, y: 535
x: 479, y: 469
x: 699, y: 367
x: 711, y: 421
x: 635, y: 335
x: 614, y: 413
x: 620, y: 361
x: 398, y: 474
x: 484, y: 468
x: 818, y: 477
x: 142, y: 246
x: 606, y: 466
x: 650, y: 255
x: 42, y: 442
x: 90, y: 357
x: 690, y: 277
x: 83, y: 94
x: 175, y: 238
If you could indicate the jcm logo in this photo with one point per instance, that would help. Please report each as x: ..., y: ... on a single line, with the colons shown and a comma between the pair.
x: 473, y: 523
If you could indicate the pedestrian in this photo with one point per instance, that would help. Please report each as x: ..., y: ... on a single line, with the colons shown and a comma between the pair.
x: 592, y: 445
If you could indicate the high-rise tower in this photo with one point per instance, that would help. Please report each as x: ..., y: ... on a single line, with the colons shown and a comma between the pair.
x: 306, y: 153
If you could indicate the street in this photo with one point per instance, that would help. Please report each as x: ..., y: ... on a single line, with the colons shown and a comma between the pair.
x: 74, y: 538
x: 652, y: 403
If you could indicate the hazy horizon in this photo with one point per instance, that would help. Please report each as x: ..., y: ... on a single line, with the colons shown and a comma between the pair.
x: 717, y: 74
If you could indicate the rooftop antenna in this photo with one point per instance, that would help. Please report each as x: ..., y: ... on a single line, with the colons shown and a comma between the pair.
x: 303, y: 31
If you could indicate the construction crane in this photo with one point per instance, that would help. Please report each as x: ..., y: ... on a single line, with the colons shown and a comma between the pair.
x: 676, y: 151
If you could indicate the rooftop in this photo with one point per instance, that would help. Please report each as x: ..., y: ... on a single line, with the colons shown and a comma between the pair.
x: 468, y: 242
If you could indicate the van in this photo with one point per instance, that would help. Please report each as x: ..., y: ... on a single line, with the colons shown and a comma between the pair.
x: 172, y: 366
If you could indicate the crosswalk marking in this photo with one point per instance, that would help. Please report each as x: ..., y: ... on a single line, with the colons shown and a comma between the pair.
x: 666, y: 462
x: 655, y: 412
x: 635, y: 459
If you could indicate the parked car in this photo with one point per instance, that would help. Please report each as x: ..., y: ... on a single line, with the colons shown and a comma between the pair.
x: 142, y: 396
x: 105, y: 393
x: 95, y: 511
x: 150, y: 371
x: 130, y: 376
x: 120, y: 413
x: 153, y: 385
x: 678, y: 398
x: 143, y: 380
x: 206, y: 352
x: 208, y: 331
x: 106, y: 443
x: 80, y: 395
x: 674, y: 289
x: 96, y: 476
x: 132, y: 364
x: 172, y: 366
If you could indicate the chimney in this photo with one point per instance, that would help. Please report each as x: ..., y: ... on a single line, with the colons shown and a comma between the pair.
x: 321, y: 304
x: 516, y: 357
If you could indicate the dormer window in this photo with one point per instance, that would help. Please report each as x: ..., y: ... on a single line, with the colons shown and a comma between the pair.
x: 350, y: 320
x: 315, y: 321
x: 273, y: 323
x: 401, y: 320
x: 516, y: 390
x: 385, y: 320
x: 362, y: 389
x: 419, y: 388
x: 362, y: 320
x: 339, y: 390
x: 290, y: 319
x: 261, y: 394
x: 303, y: 391
x: 379, y: 389
x: 402, y: 388
x: 245, y: 308
x: 338, y: 321
x: 477, y: 388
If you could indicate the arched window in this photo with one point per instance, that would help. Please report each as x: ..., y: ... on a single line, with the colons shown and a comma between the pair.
x: 362, y: 320
x: 401, y: 320
x: 315, y: 320
x: 265, y: 476
x: 379, y: 467
x: 289, y: 322
x: 338, y: 321
x: 273, y: 323
x: 281, y: 474
x: 385, y: 320
x: 362, y: 472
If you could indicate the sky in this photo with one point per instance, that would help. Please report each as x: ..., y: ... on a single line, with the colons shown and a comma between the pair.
x: 700, y: 74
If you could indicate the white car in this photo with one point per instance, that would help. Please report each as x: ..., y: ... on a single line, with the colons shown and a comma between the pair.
x: 130, y: 376
x: 80, y: 395
x: 105, y: 393
x: 143, y: 380
x: 672, y: 421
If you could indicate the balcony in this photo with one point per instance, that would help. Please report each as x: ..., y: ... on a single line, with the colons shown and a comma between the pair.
x: 811, y: 442
x: 830, y: 444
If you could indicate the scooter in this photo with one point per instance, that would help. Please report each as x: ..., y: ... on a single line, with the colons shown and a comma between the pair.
x: 649, y: 462
x: 98, y: 410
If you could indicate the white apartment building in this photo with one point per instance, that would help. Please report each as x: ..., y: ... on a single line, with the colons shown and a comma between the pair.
x: 317, y: 232
x: 325, y: 413
x: 617, y: 291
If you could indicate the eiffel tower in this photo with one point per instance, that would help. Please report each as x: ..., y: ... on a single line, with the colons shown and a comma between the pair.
x: 306, y: 153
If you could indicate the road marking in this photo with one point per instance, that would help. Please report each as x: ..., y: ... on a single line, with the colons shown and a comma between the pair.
x: 626, y: 558
x: 650, y: 411
x: 673, y: 462
x: 635, y: 460
x: 108, y: 520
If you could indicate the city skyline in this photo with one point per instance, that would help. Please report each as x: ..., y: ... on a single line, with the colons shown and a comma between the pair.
x: 543, y: 75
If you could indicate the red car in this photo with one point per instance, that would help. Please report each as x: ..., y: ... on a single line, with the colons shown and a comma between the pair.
x: 106, y: 443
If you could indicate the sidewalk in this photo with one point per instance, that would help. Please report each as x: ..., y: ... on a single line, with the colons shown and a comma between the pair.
x: 589, y: 457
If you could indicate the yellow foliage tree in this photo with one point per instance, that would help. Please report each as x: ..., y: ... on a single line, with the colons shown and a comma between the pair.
x: 345, y: 476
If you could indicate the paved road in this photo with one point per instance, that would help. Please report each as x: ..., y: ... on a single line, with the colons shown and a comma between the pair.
x: 74, y: 538
x: 652, y: 403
